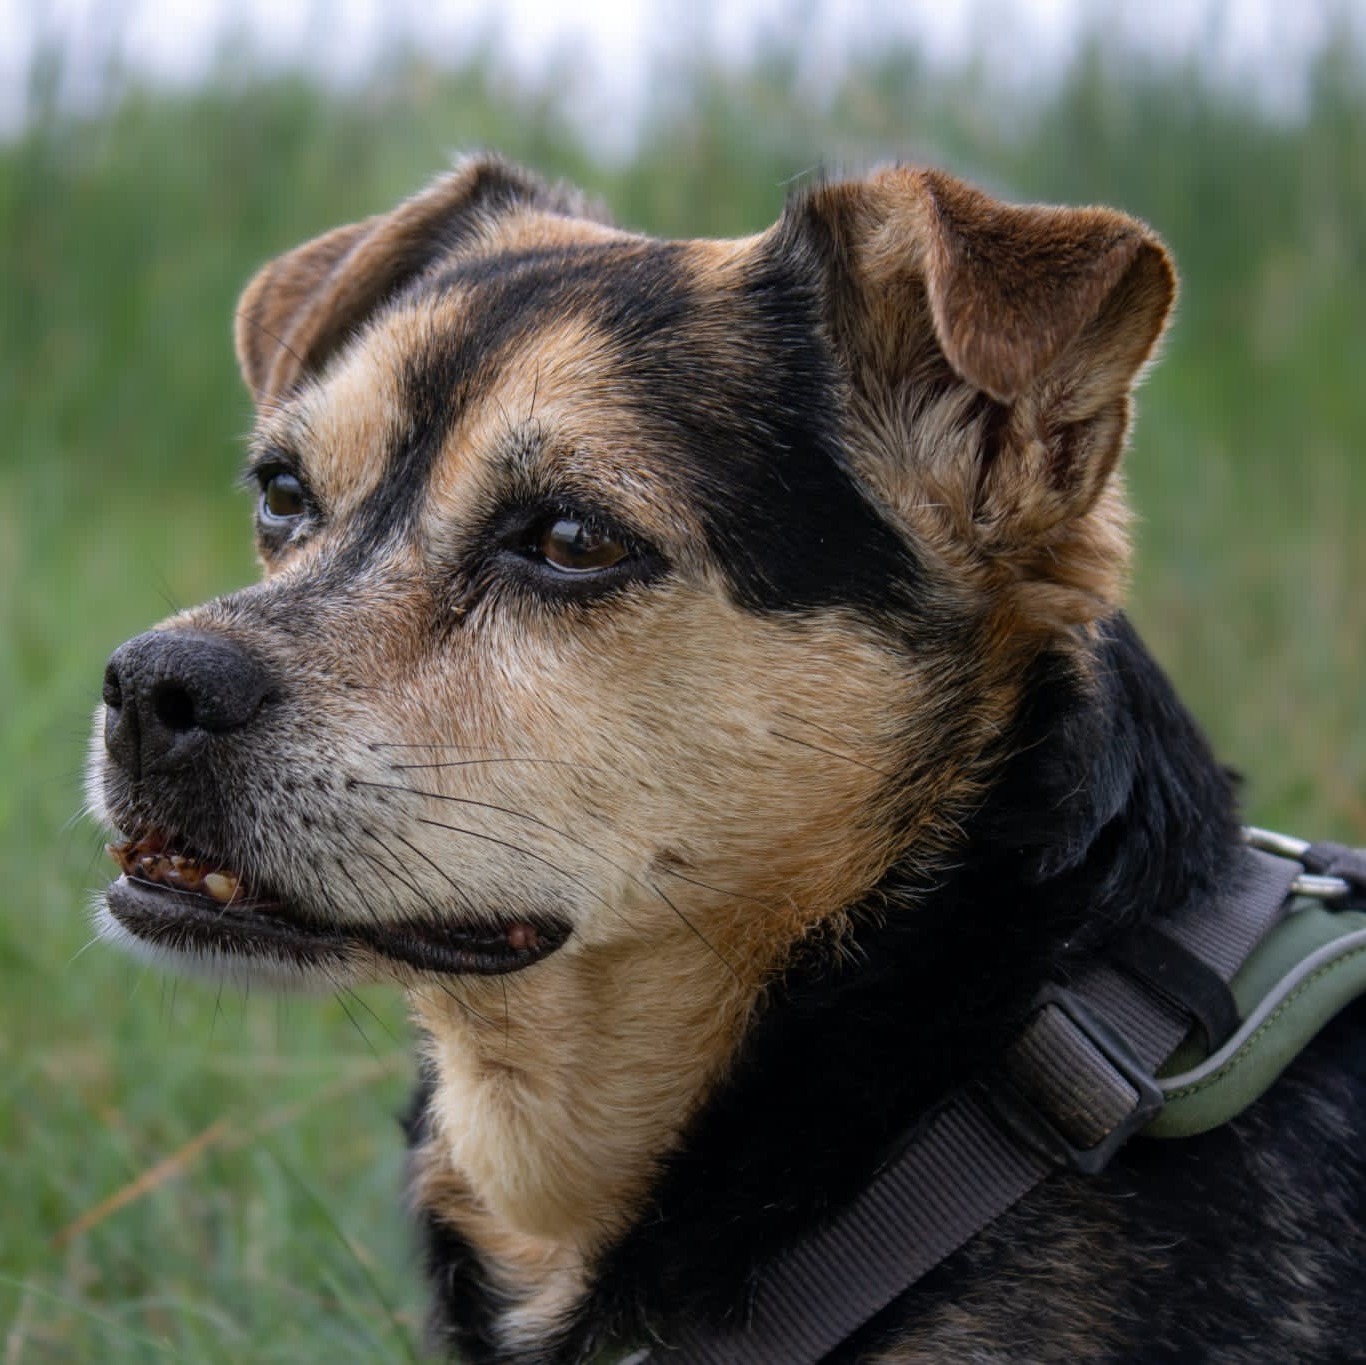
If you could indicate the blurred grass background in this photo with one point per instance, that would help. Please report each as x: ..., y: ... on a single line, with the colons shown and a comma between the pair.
x: 195, y: 1177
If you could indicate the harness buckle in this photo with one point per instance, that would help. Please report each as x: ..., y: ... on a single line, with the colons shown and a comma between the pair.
x: 1317, y: 882
x: 1071, y: 1087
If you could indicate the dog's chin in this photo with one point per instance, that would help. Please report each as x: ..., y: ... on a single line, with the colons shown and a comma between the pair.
x: 250, y: 937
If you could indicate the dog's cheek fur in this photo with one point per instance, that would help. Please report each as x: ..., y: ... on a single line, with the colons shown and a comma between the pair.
x: 612, y: 1044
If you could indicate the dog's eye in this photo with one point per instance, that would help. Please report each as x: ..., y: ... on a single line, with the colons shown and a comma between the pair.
x: 560, y: 553
x: 572, y: 546
x: 282, y: 497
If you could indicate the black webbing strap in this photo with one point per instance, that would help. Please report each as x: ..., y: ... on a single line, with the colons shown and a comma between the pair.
x: 959, y: 1172
x: 1182, y: 978
x: 1337, y: 860
x: 1075, y: 1084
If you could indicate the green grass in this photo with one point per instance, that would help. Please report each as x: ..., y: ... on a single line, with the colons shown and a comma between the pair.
x: 252, y: 1140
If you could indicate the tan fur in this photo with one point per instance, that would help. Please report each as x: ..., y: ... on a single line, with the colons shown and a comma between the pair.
x: 565, y: 1089
x: 698, y: 787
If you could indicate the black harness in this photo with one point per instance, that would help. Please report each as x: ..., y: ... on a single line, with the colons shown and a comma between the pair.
x: 1080, y: 1078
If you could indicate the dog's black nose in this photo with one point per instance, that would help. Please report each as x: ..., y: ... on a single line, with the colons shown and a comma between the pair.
x: 168, y: 691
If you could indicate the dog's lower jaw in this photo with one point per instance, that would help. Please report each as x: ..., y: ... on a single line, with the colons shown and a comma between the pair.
x: 552, y: 1104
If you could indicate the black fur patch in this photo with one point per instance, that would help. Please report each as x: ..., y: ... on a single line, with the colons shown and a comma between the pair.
x: 758, y: 448
x: 463, y: 1311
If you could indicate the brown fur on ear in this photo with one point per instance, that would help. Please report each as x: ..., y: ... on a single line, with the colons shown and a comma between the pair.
x: 302, y: 306
x: 992, y: 348
x: 1010, y: 288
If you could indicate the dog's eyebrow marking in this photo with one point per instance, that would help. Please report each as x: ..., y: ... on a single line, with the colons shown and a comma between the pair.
x: 267, y: 455
x: 474, y: 317
x: 582, y: 262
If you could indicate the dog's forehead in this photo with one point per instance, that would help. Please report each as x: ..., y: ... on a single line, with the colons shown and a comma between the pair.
x: 557, y: 324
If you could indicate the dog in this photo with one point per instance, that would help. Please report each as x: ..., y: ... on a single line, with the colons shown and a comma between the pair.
x: 696, y: 672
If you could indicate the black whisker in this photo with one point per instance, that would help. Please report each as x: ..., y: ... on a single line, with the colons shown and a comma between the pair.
x: 715, y: 951
x: 165, y: 593
x: 525, y: 853
x: 833, y: 753
x: 399, y: 872
x: 340, y: 993
x: 719, y: 890
x: 506, y: 810
x: 348, y: 895
x: 586, y: 847
x: 396, y: 869
x: 563, y: 834
x: 810, y: 724
x: 479, y: 762
x: 429, y: 744
x: 440, y: 872
x: 464, y: 1005
x: 350, y: 992
x: 540, y: 824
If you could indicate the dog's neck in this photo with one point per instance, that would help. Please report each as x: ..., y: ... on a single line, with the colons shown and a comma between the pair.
x: 572, y: 1081
x: 1112, y: 810
x: 549, y: 1109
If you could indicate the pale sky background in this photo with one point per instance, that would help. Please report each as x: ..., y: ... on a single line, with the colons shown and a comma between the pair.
x: 1258, y: 43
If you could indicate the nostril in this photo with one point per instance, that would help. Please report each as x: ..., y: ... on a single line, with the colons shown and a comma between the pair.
x: 173, y: 706
x: 169, y: 693
x: 113, y: 691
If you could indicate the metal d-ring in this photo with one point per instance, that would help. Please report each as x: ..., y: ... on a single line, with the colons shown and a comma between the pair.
x: 1287, y: 846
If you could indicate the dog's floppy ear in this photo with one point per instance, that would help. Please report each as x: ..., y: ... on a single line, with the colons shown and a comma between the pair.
x: 1048, y: 314
x: 1012, y: 289
x: 304, y: 305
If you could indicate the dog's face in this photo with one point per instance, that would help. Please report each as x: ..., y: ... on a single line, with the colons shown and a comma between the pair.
x: 622, y: 596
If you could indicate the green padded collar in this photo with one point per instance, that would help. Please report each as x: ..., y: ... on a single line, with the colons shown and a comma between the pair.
x: 1310, y: 966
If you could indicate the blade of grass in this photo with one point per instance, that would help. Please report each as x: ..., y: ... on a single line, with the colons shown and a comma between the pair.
x: 220, y: 1133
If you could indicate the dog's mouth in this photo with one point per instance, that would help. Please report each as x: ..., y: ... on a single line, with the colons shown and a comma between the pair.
x: 173, y: 899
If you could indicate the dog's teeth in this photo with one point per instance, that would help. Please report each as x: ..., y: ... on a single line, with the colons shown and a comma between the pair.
x: 222, y: 886
x: 185, y: 872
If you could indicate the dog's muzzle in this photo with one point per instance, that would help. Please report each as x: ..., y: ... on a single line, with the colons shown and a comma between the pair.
x: 176, y: 703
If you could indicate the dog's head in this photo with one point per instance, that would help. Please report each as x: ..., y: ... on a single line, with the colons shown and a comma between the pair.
x: 623, y: 596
